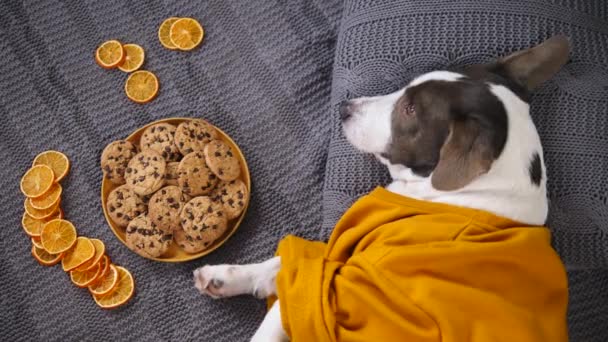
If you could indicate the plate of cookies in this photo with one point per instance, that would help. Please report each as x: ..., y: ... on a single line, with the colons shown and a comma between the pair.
x: 175, y: 189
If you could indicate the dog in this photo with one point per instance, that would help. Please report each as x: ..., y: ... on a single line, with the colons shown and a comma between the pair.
x: 450, y: 139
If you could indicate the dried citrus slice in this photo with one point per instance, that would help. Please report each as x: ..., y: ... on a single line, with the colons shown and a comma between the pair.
x: 110, y: 54
x: 41, y: 214
x: 105, y: 284
x: 104, y: 265
x: 134, y: 58
x: 82, y: 251
x: 85, y: 278
x: 58, y: 236
x: 141, y: 86
x: 163, y: 33
x: 33, y: 227
x: 57, y: 161
x: 186, y: 33
x: 122, y: 292
x: 49, y: 199
x: 100, y: 250
x: 45, y: 258
x: 36, y: 242
x: 37, y: 181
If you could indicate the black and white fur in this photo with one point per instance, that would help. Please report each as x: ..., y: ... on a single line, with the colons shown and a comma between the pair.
x: 507, y: 189
x: 513, y: 184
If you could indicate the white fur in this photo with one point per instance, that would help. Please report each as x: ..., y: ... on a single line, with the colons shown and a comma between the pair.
x: 257, y: 279
x: 232, y: 280
x: 439, y: 75
x: 271, y: 329
x: 505, y: 190
x: 372, y: 132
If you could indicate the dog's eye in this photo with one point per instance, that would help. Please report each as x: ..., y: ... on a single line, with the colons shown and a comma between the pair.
x: 410, y: 110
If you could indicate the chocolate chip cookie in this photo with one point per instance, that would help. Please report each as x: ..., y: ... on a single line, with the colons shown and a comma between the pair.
x: 203, y: 220
x: 188, y: 243
x: 233, y: 195
x: 171, y: 173
x: 194, y: 176
x: 160, y: 138
x: 145, y: 172
x: 165, y: 205
x: 123, y: 204
x: 193, y: 135
x: 114, y: 160
x: 222, y: 161
x: 146, y: 238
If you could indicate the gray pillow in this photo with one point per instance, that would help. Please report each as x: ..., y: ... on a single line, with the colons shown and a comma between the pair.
x: 383, y: 44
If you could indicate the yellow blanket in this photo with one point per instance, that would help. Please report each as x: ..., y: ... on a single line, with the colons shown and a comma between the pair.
x: 399, y: 269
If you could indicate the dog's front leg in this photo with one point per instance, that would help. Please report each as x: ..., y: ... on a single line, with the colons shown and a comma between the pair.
x: 232, y: 280
x: 271, y: 329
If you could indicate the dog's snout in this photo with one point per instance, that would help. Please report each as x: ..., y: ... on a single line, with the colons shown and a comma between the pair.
x: 346, y: 110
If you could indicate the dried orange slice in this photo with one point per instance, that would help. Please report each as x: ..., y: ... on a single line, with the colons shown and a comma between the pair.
x: 110, y: 54
x: 33, y: 227
x: 141, y: 86
x: 105, y: 284
x: 41, y: 214
x: 49, y: 199
x: 100, y: 250
x: 85, y: 278
x: 37, y: 181
x: 186, y: 33
x: 45, y: 258
x: 104, y: 266
x: 134, y: 58
x: 82, y: 251
x: 57, y: 161
x: 163, y: 33
x: 58, y: 236
x: 122, y: 292
x: 36, y: 242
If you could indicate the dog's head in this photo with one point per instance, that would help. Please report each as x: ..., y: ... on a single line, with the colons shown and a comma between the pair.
x: 451, y: 127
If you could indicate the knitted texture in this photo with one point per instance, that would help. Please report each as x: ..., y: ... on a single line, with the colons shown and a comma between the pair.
x: 262, y: 74
x: 383, y: 44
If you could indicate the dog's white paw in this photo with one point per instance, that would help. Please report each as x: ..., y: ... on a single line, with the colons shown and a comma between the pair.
x: 219, y: 281
x: 233, y: 280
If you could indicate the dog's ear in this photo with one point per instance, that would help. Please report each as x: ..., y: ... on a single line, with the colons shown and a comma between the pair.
x: 531, y: 67
x: 466, y: 154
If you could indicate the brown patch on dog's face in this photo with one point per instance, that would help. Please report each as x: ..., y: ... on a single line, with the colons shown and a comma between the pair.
x: 455, y: 130
x: 420, y: 124
x: 452, y: 129
x: 450, y: 125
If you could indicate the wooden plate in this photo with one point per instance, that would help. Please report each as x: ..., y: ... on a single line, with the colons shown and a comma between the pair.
x: 175, y: 253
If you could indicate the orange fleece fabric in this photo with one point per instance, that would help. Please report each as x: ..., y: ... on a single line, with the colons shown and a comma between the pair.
x: 399, y: 269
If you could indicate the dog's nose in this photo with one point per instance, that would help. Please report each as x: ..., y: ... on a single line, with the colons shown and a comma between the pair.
x: 346, y: 110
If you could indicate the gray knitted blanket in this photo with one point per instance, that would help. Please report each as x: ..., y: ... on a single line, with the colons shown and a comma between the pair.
x: 271, y: 73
